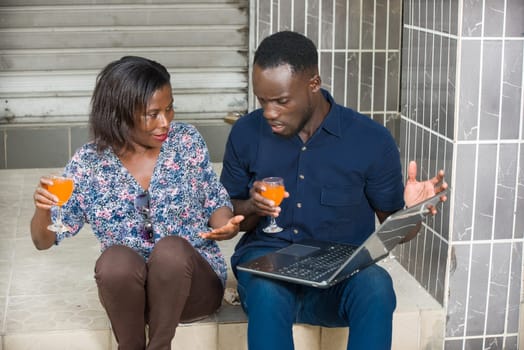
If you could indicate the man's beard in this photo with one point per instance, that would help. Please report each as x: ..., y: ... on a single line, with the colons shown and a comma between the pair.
x: 307, y: 117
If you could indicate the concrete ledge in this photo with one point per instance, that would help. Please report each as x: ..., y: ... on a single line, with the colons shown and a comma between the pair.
x: 48, y: 299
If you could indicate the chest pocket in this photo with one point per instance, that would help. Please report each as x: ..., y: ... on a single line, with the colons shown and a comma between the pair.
x: 341, y: 196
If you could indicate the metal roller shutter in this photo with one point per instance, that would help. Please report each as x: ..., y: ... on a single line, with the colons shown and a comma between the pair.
x: 52, y: 50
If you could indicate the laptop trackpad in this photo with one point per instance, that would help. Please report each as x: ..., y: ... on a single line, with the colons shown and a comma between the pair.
x: 298, y: 250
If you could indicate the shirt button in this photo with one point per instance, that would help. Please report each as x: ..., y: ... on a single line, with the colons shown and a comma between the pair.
x: 301, y: 177
x: 304, y: 148
x: 299, y: 205
x: 295, y: 231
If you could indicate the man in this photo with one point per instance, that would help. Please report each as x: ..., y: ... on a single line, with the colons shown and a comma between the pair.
x: 340, y: 170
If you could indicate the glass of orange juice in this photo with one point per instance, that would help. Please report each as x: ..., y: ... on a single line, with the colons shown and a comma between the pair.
x: 274, y: 191
x: 62, y: 187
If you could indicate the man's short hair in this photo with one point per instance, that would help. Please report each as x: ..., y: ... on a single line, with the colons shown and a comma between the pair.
x: 287, y: 47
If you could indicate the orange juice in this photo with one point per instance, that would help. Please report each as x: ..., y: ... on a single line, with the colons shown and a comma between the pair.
x: 62, y: 187
x: 275, y: 192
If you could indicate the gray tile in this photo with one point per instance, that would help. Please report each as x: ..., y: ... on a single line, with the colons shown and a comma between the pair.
x: 512, y: 86
x: 511, y: 343
x: 215, y: 136
x: 475, y: 343
x: 443, y: 85
x: 428, y: 81
x: 381, y: 31
x: 415, y: 13
x: 426, y: 262
x: 478, y: 284
x: 498, y: 288
x: 393, y: 80
x: 458, y: 283
x: 407, y: 13
x: 436, y: 86
x: 231, y: 314
x: 55, y: 312
x: 339, y: 75
x: 275, y: 22
x: 490, y: 94
x: 519, y: 224
x: 325, y: 69
x: 419, y: 78
x: 379, y: 81
x: 79, y: 136
x: 395, y: 24
x: 313, y: 21
x: 285, y: 15
x: 352, y: 80
x: 469, y: 94
x: 455, y: 344
x: 392, y: 123
x: 441, y: 290
x: 450, y: 115
x: 366, y: 88
x: 423, y: 14
x: 37, y: 147
x: 2, y: 316
x: 472, y: 18
x: 506, y: 191
x: 515, y: 286
x: 299, y: 16
x: 368, y: 17
x: 493, y: 18
x: 3, y: 164
x: 419, y: 265
x: 485, y: 196
x: 445, y: 9
x: 340, y: 20
x: 434, y: 254
x: 454, y: 16
x: 514, y: 22
x: 327, y: 31
x: 354, y: 24
x: 27, y: 281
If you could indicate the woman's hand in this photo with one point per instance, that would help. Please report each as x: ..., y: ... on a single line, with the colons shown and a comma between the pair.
x: 228, y: 231
x: 42, y: 198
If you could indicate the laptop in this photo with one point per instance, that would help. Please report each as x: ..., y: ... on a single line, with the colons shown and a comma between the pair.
x: 322, y: 264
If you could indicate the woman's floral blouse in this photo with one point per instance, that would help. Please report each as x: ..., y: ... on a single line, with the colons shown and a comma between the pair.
x: 184, y: 192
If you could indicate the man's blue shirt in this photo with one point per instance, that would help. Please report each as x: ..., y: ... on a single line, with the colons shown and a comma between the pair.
x: 349, y: 168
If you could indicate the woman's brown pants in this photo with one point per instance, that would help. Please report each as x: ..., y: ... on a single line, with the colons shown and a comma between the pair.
x: 175, y: 285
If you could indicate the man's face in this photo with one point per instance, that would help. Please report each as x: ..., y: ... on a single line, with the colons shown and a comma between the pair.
x: 286, y: 98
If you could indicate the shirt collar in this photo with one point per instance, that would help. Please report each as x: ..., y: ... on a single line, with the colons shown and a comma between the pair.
x: 332, y: 121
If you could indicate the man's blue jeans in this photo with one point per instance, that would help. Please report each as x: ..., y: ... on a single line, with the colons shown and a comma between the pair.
x: 364, y: 303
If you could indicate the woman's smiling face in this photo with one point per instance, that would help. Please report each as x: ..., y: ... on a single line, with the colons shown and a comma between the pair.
x: 152, y: 125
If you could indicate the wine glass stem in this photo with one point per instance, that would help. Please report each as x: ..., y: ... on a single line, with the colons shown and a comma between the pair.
x: 59, y: 215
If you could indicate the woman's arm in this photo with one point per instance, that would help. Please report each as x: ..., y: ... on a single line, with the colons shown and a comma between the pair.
x: 44, y: 200
x: 224, y: 224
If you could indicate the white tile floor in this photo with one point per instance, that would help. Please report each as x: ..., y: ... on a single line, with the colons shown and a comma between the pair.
x: 48, y: 299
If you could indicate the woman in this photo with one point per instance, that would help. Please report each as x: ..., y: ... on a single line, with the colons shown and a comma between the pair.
x: 147, y: 188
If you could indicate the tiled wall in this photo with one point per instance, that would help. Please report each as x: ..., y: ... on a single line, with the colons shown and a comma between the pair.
x: 359, y: 46
x: 462, y: 109
x: 429, y: 53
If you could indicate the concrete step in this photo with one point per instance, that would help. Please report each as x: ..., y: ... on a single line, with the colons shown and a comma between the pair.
x: 49, y: 301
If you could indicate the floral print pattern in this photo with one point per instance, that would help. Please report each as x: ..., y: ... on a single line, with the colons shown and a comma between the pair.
x: 184, y: 192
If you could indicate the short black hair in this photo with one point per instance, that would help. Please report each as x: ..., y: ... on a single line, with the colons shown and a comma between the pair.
x: 122, y: 90
x: 287, y: 47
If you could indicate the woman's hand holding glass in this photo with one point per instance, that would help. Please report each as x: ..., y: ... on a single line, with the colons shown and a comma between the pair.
x: 54, y: 191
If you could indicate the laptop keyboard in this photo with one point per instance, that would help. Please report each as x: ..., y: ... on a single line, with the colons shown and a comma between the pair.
x: 316, y: 266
